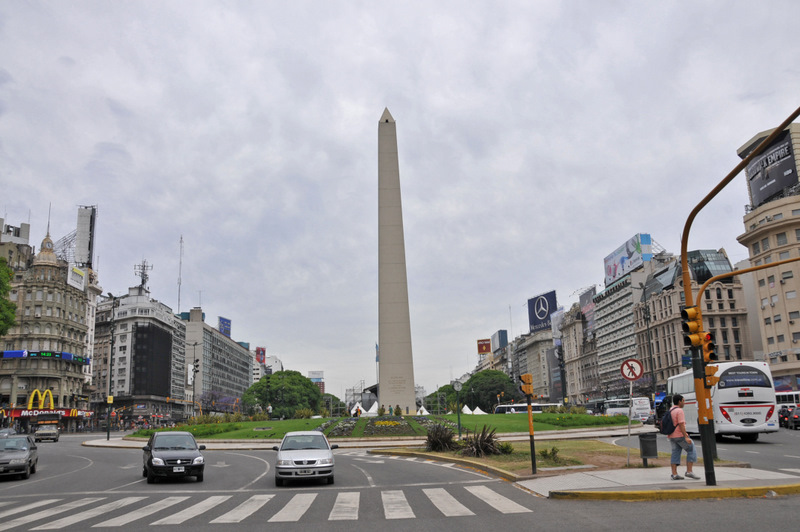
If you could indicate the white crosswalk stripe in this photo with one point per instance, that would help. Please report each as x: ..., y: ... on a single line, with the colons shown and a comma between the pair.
x: 89, y: 514
x: 141, y: 513
x: 395, y: 505
x: 346, y: 507
x: 448, y: 501
x: 193, y: 511
x: 244, y: 510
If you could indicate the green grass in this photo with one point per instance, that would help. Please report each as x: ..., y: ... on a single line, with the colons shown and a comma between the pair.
x: 519, y: 422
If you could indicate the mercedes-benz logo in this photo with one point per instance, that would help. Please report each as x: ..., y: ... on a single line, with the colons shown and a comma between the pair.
x: 541, y: 308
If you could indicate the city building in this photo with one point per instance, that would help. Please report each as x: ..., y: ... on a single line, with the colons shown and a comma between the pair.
x: 772, y: 234
x: 225, y: 367
x: 140, y: 349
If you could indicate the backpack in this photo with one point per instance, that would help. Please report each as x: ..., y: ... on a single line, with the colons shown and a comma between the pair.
x: 667, y: 425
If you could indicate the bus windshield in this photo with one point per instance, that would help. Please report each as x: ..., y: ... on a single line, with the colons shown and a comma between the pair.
x: 744, y: 376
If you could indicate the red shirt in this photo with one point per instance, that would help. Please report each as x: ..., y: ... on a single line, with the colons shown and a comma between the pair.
x: 677, y: 418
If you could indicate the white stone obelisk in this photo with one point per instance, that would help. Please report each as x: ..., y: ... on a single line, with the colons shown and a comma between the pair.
x: 396, y: 364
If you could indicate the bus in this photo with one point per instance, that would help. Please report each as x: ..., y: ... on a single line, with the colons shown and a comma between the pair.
x: 641, y: 410
x: 743, y: 400
x: 789, y: 399
x: 522, y: 408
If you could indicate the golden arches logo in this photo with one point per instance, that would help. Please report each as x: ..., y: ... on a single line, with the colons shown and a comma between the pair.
x: 42, y: 399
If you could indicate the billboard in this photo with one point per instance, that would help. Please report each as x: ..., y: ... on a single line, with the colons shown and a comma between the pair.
x: 628, y: 257
x: 586, y: 301
x: 84, y: 236
x: 484, y: 346
x: 76, y: 278
x: 224, y: 326
x: 261, y: 354
x: 772, y: 171
x: 539, y: 310
x: 499, y: 340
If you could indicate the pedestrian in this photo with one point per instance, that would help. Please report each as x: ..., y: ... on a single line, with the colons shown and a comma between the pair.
x: 680, y: 441
x: 391, y: 410
x: 269, y: 411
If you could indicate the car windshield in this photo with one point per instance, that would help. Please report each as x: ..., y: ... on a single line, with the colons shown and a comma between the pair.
x: 13, y: 444
x: 174, y: 442
x: 312, y: 441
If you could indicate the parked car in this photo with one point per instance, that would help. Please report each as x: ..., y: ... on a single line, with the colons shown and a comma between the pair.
x: 794, y: 419
x: 304, y: 455
x: 18, y: 455
x: 47, y: 432
x: 7, y: 432
x: 783, y: 417
x: 172, y: 454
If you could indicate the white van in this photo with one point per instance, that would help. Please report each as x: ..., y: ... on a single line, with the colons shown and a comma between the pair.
x: 641, y: 410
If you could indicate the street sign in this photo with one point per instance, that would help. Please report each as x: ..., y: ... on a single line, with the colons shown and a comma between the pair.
x: 632, y: 369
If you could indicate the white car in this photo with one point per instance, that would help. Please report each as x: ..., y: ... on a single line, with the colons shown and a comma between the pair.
x: 304, y: 455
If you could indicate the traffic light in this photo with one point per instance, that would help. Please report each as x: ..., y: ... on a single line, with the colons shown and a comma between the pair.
x: 196, y: 366
x: 709, y: 349
x: 711, y: 376
x: 527, y: 384
x: 692, y: 327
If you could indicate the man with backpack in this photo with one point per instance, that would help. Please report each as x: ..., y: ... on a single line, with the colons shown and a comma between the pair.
x: 679, y: 438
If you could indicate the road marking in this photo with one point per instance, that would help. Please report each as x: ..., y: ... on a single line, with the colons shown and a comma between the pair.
x: 244, y: 510
x: 395, y: 505
x: 446, y: 503
x: 790, y: 456
x: 44, y: 514
x: 193, y: 511
x: 369, y: 477
x: 346, y: 507
x: 753, y: 452
x: 295, y: 509
x: 504, y: 505
x: 89, y: 514
x: 142, y: 512
x: 792, y: 470
x: 25, y: 508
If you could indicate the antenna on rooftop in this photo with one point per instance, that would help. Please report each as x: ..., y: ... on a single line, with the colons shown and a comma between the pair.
x: 180, y: 269
x: 141, y: 271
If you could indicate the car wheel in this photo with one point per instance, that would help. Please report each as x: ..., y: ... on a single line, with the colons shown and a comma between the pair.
x: 199, y: 477
x: 330, y: 479
x: 144, y: 471
x: 278, y: 481
x: 33, y: 467
x: 151, y: 478
x: 27, y: 473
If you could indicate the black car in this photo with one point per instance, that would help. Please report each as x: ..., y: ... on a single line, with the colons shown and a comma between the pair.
x: 794, y: 419
x: 18, y: 455
x: 172, y: 454
x: 783, y: 417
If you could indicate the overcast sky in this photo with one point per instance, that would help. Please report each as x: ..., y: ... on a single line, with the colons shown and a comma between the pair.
x: 534, y: 139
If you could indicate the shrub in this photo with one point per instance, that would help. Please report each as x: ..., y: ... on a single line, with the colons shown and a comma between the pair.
x: 506, y: 447
x: 303, y: 413
x: 440, y: 439
x: 323, y: 412
x: 550, y: 455
x: 481, y: 443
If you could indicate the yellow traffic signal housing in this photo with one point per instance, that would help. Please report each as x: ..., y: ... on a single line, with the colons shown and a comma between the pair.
x: 527, y: 384
x: 711, y: 376
x: 709, y: 348
x: 692, y: 326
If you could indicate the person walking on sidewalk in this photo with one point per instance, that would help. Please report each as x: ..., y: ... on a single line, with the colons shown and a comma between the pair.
x: 680, y: 441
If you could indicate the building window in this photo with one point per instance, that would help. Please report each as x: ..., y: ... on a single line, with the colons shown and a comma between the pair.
x: 793, y: 315
x: 796, y: 337
x: 765, y: 244
x: 722, y: 322
x: 780, y: 338
x: 791, y: 294
x: 721, y: 305
x: 736, y: 339
x: 783, y: 255
x: 777, y: 216
x: 711, y: 321
x: 708, y: 293
x: 771, y: 340
x: 719, y: 293
x: 775, y: 298
x: 768, y: 259
x: 757, y: 246
x: 781, y: 239
x: 787, y: 275
x: 771, y: 280
x: 762, y: 282
x: 767, y: 321
x: 776, y: 318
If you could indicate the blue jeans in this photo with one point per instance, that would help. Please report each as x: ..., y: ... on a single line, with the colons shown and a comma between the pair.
x: 680, y: 444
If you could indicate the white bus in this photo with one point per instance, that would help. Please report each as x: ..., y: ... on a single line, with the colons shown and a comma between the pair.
x: 789, y: 399
x: 522, y: 408
x: 641, y: 410
x: 743, y: 400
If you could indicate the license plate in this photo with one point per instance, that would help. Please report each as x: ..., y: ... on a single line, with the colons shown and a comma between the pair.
x: 1, y: 469
x: 305, y: 472
x: 177, y: 469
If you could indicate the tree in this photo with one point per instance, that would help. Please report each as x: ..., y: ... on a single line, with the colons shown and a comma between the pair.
x: 287, y: 391
x: 483, y: 388
x: 8, y: 310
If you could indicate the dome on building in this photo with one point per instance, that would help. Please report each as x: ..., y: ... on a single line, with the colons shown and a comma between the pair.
x: 47, y: 254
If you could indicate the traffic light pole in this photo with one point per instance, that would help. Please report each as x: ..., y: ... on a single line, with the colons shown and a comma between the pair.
x: 530, y: 432
x: 707, y: 424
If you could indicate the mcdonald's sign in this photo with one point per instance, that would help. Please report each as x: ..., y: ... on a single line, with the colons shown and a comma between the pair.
x: 42, y: 399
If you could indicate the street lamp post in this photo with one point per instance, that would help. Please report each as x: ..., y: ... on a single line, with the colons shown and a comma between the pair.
x: 649, y: 341
x: 110, y: 398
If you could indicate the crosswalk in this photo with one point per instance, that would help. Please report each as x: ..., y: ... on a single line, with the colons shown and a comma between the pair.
x: 280, y: 507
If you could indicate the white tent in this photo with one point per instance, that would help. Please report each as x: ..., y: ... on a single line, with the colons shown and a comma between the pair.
x: 466, y: 410
x: 373, y: 410
x: 478, y: 411
x: 423, y: 412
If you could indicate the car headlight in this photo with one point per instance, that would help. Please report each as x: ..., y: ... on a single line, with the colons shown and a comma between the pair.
x: 18, y: 461
x: 326, y: 461
x: 158, y: 461
x: 284, y: 462
x: 198, y: 460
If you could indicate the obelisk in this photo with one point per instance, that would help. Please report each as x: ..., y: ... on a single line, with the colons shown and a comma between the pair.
x: 395, y: 364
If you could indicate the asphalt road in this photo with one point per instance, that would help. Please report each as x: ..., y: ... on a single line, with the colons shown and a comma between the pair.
x: 81, y: 488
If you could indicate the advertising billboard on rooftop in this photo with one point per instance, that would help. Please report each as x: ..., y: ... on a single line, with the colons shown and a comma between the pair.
x: 772, y: 171
x: 628, y: 257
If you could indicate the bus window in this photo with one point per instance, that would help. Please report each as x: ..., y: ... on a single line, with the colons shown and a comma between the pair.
x: 744, y: 376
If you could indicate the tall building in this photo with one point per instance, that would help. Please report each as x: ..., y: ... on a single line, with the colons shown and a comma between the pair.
x: 145, y: 370
x: 48, y: 348
x: 225, y: 366
x: 396, y: 363
x: 772, y: 234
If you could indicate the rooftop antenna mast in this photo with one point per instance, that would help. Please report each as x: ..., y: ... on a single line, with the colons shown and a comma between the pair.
x: 180, y: 269
x: 141, y: 271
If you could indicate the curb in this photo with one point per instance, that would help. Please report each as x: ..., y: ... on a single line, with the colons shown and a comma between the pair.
x: 483, y: 468
x: 665, y: 495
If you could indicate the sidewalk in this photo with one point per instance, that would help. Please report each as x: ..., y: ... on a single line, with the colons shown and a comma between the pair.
x: 634, y: 484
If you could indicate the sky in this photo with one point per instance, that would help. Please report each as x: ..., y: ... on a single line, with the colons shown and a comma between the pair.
x: 534, y: 139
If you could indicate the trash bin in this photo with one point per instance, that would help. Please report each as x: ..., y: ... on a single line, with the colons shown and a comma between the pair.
x: 648, y: 447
